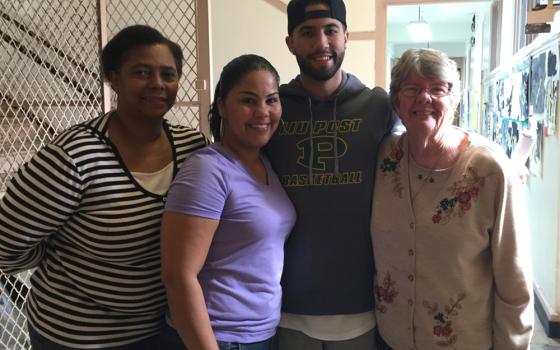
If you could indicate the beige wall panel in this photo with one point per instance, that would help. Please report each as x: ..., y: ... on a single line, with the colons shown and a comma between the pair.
x: 360, y: 60
x: 360, y: 15
x: 249, y: 26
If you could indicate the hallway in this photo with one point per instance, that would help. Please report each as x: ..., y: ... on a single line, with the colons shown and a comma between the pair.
x: 540, y: 341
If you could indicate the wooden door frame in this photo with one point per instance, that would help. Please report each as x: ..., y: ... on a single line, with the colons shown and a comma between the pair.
x: 204, y: 64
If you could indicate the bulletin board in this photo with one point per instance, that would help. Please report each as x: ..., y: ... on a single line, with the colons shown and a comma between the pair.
x: 523, y: 97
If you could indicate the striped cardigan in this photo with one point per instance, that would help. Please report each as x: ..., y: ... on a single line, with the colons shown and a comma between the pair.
x: 75, y: 212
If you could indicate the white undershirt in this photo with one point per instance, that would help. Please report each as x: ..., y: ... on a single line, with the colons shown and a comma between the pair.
x: 157, y: 182
x: 330, y: 327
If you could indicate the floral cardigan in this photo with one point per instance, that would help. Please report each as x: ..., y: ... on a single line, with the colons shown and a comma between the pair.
x: 453, y: 267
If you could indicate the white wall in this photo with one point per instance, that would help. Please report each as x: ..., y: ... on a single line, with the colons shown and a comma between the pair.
x: 255, y: 26
x: 543, y: 193
x: 543, y: 203
x: 544, y: 209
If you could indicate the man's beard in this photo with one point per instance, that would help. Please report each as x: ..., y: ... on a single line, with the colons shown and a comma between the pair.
x: 320, y: 74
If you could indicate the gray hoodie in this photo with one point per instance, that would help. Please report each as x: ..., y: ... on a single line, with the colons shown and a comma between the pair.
x: 325, y: 154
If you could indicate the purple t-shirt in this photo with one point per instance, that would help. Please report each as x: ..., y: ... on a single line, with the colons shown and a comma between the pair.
x: 241, y: 276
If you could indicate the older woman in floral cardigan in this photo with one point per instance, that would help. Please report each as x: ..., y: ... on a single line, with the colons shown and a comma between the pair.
x: 449, y: 227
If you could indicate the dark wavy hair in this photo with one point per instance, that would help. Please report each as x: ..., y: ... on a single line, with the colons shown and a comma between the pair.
x: 232, y: 74
x: 133, y: 37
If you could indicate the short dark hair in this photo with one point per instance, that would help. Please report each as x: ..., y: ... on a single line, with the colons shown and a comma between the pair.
x: 231, y: 75
x: 133, y: 37
x: 298, y: 15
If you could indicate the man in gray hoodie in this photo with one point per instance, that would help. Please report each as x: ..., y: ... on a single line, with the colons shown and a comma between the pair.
x: 325, y: 154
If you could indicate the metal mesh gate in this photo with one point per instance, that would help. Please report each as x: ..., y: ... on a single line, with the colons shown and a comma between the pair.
x: 50, y: 79
x: 176, y: 19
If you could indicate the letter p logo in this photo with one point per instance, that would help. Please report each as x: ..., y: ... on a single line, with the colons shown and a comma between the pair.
x: 316, y: 151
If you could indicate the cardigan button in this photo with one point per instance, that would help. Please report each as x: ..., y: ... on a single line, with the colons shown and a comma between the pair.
x: 410, y: 252
x: 411, y: 278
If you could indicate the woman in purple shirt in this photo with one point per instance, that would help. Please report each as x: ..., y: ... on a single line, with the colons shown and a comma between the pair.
x: 226, y: 220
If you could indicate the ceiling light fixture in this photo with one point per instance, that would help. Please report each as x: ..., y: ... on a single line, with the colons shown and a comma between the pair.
x: 419, y: 30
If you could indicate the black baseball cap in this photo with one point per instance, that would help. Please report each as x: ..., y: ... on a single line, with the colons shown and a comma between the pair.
x: 297, y: 14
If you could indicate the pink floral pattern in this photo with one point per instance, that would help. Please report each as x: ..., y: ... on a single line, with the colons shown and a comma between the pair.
x: 385, y: 293
x: 391, y: 165
x: 443, y: 325
x: 463, y: 193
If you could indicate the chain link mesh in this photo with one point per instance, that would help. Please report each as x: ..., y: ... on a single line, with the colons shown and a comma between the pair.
x: 50, y: 79
x: 179, y: 25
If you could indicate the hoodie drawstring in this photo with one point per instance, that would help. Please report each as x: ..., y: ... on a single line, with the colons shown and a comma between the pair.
x: 335, y: 139
x: 310, y: 140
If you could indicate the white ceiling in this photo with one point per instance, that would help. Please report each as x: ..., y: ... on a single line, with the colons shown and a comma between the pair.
x: 450, y: 24
x: 449, y: 13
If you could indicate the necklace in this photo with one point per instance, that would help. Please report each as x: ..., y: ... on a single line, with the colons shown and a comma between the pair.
x: 434, y: 177
x: 420, y: 177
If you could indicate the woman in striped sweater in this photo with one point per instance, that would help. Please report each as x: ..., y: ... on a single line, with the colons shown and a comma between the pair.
x: 85, y: 210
